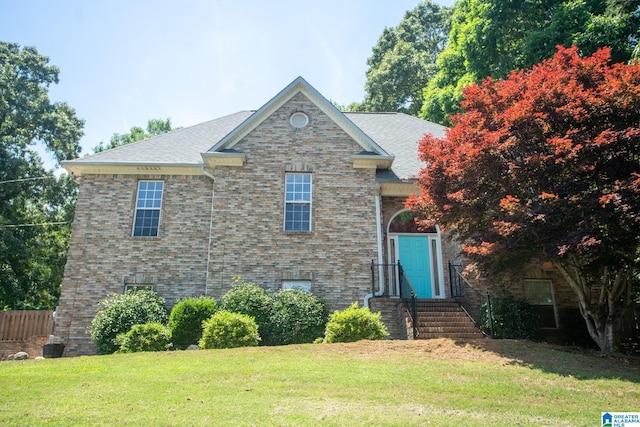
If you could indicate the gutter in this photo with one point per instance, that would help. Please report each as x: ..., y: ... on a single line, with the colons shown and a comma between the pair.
x: 206, y: 275
x: 380, y: 291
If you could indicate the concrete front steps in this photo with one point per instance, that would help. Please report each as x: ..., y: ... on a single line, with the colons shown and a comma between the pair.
x: 444, y: 319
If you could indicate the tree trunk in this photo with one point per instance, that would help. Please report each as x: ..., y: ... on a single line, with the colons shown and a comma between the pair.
x: 603, y: 315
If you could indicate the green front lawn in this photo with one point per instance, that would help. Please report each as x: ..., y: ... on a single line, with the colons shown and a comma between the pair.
x: 437, y: 382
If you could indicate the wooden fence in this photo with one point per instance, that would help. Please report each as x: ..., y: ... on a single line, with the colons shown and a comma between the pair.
x: 22, y: 325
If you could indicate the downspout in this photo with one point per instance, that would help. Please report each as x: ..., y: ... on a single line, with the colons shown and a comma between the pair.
x: 206, y: 275
x: 379, y: 244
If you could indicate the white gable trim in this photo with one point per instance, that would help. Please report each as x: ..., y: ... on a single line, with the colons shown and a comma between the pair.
x: 371, y: 161
x: 211, y: 160
x: 299, y: 85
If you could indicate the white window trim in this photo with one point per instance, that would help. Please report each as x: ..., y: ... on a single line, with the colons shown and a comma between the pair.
x: 299, y: 120
x: 136, y: 209
x: 310, y: 203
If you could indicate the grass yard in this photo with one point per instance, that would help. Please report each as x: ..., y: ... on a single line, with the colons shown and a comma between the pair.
x: 405, y: 383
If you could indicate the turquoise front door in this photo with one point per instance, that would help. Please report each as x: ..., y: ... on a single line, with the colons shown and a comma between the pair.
x: 413, y: 252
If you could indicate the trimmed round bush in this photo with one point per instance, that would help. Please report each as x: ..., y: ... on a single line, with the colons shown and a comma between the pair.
x: 186, y: 318
x: 297, y: 317
x: 355, y: 324
x: 229, y: 330
x: 146, y: 337
x: 252, y: 300
x: 119, y: 313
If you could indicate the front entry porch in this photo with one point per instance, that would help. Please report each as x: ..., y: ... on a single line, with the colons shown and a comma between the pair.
x: 409, y: 290
x: 420, y: 251
x: 409, y: 316
x: 434, y: 318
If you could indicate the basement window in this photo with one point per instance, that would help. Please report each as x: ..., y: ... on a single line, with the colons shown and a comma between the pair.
x: 305, y: 285
x: 137, y: 287
x: 539, y: 293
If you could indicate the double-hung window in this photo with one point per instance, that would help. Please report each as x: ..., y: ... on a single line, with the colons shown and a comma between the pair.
x: 297, y: 202
x: 539, y: 293
x: 148, y: 204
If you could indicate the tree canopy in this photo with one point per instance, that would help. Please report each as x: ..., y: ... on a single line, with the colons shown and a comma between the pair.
x: 404, y: 59
x: 36, y: 206
x: 154, y: 127
x: 545, y: 165
x: 494, y: 37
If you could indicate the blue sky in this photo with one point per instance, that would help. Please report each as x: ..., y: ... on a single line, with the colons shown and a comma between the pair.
x: 124, y: 62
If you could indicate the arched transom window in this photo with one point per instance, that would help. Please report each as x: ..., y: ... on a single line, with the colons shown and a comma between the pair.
x: 405, y: 222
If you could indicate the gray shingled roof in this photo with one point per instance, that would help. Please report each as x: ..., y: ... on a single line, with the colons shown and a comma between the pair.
x: 396, y: 133
x: 182, y: 146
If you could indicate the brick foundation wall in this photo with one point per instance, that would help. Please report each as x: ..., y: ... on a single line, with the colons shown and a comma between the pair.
x: 32, y: 346
x: 393, y: 317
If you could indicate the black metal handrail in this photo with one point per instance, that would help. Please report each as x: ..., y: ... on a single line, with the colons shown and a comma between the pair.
x: 456, y: 281
x: 469, y: 303
x: 387, y: 273
x: 391, y: 273
x: 408, y: 296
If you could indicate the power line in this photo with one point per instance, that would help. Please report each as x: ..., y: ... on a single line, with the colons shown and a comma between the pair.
x: 33, y: 225
x: 26, y: 179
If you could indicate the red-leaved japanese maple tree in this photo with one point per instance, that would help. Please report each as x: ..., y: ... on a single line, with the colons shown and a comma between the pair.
x: 545, y: 165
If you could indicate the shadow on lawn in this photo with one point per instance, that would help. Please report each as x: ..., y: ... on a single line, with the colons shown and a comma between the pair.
x: 580, y: 363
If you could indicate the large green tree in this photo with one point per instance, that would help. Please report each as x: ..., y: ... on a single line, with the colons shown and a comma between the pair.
x: 154, y: 127
x: 494, y: 37
x: 36, y: 206
x: 404, y: 59
x: 546, y: 165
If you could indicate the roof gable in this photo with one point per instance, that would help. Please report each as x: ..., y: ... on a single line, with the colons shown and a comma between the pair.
x: 299, y: 85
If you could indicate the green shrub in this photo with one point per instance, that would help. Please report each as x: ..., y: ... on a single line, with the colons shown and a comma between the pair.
x: 146, y: 337
x: 297, y: 317
x: 355, y: 324
x: 229, y: 330
x: 186, y: 318
x: 252, y: 300
x: 512, y: 318
x: 119, y: 313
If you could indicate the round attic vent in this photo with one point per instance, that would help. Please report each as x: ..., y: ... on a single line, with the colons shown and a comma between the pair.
x: 299, y: 120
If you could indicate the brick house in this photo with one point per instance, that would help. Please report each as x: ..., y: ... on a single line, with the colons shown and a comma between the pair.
x: 295, y: 194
